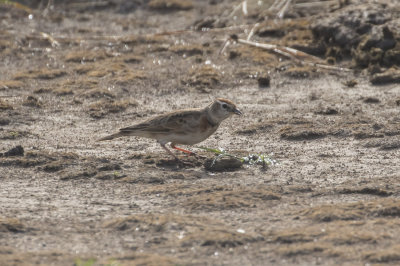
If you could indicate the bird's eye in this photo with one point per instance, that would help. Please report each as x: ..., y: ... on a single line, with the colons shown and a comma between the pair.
x: 224, y: 105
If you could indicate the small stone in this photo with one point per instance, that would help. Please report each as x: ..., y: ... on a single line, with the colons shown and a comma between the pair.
x: 371, y: 100
x: 16, y: 151
x: 264, y: 81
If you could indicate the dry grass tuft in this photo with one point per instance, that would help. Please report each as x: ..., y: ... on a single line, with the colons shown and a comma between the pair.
x: 344, y: 239
x: 11, y: 84
x: 85, y: 56
x: 129, y: 77
x: 103, y: 107
x: 80, y: 84
x: 388, y: 255
x: 10, y: 256
x: 366, y: 190
x: 157, y: 222
x: 351, y: 235
x: 83, y: 69
x: 257, y: 55
x: 219, y: 237
x: 354, y: 211
x: 191, y: 230
x: 48, y: 162
x: 149, y: 259
x: 188, y: 50
x: 235, y: 198
x: 98, y: 93
x: 5, y: 105
x: 303, y: 249
x: 299, y: 72
x: 170, y: 5
x: 295, y: 235
x: 11, y: 225
x: 32, y: 101
x: 204, y: 78
x: 43, y: 73
x: 97, y: 73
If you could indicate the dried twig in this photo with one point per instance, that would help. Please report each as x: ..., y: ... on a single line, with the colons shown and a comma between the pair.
x: 251, y: 33
x: 49, y: 7
x: 315, y: 4
x: 276, y: 5
x: 235, y: 9
x: 283, y: 10
x: 224, y: 46
x: 271, y: 7
x: 297, y: 56
x: 282, y: 50
x: 51, y: 40
x: 244, y: 7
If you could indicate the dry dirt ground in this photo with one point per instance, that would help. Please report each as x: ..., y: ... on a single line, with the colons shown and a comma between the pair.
x: 77, y: 71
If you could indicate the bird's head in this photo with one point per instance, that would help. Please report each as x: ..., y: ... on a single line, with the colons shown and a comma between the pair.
x: 221, y: 109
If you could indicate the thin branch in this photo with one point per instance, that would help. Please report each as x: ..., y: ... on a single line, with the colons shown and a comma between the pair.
x: 297, y: 56
x: 235, y: 9
x: 282, y: 12
x: 251, y: 33
x: 277, y: 5
x: 244, y: 7
x: 51, y: 40
x: 315, y: 4
x: 226, y: 44
x: 271, y: 7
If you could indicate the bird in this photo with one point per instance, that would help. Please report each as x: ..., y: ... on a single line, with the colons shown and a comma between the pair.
x: 185, y: 127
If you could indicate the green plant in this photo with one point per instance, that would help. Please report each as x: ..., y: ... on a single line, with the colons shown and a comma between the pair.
x: 252, y: 159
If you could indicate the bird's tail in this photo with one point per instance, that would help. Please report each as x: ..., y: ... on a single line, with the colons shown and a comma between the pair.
x: 110, y: 137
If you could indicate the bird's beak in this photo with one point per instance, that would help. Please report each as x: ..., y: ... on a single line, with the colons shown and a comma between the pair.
x: 237, y: 111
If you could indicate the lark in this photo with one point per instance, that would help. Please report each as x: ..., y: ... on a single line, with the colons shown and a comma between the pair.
x: 186, y: 127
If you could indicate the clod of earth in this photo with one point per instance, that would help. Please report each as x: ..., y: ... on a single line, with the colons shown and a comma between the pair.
x: 222, y: 163
x: 391, y: 75
x: 16, y: 151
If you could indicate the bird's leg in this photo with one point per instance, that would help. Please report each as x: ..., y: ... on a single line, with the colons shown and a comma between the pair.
x: 182, y: 150
x: 170, y: 152
x: 181, y: 163
x: 190, y: 153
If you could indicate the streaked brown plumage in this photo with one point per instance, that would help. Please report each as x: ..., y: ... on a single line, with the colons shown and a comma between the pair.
x: 186, y: 127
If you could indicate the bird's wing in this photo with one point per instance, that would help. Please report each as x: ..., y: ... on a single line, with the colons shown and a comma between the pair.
x: 180, y: 121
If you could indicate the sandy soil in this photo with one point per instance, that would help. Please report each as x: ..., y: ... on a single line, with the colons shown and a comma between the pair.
x: 78, y: 71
